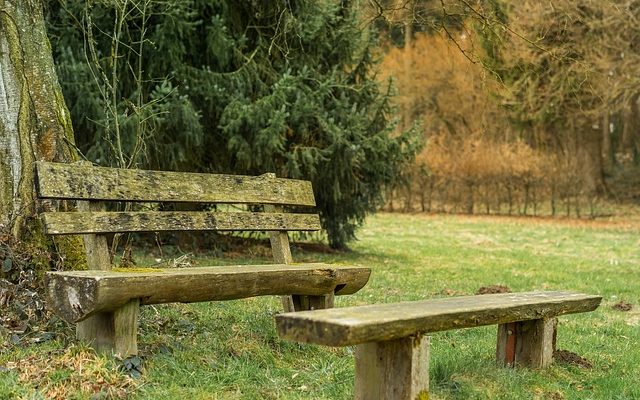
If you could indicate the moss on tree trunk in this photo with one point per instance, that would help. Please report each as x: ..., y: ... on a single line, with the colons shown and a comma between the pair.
x: 35, y: 123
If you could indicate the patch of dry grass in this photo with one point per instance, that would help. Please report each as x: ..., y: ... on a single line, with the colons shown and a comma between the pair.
x: 72, y: 372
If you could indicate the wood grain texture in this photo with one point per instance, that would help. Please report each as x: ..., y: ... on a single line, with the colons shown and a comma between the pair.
x: 506, y: 346
x: 113, y: 332
x: 98, y: 330
x: 280, y: 248
x: 65, y: 223
x: 95, y: 246
x: 76, y: 295
x: 279, y: 240
x: 381, y: 322
x: 527, y: 343
x: 82, y: 182
x: 393, y: 370
x: 125, y: 324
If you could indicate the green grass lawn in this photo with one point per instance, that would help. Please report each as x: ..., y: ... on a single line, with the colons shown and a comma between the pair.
x: 230, y: 350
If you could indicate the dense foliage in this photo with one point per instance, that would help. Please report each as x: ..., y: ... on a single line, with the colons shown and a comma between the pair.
x: 233, y: 87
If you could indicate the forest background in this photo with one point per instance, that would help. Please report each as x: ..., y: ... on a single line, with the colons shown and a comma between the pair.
x: 512, y: 108
x: 526, y: 107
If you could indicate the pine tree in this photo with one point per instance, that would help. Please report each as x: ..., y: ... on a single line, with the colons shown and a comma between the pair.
x: 234, y: 87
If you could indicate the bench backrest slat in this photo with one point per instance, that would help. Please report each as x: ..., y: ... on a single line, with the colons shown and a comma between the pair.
x: 85, y: 182
x: 64, y: 223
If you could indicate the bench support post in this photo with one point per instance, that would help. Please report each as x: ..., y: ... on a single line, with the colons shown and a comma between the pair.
x: 115, y: 331
x: 393, y: 370
x: 281, y: 249
x: 527, y: 343
x: 304, y: 303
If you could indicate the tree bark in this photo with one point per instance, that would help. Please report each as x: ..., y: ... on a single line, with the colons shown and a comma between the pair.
x: 589, y: 146
x: 35, y: 123
x: 630, y: 141
x: 407, y: 114
x: 607, y: 149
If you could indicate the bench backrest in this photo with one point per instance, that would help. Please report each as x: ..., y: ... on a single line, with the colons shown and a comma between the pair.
x: 76, y: 182
x: 91, y: 186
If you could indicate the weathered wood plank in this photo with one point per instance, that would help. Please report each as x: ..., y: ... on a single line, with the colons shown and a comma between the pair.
x: 76, y: 295
x: 95, y: 246
x: 82, y: 182
x: 393, y: 370
x: 64, y: 223
x: 280, y: 248
x: 98, y: 330
x: 381, y: 322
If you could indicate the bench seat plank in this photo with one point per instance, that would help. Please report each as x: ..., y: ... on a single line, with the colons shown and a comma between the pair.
x: 382, y: 322
x: 76, y: 295
x: 64, y: 223
x: 87, y: 182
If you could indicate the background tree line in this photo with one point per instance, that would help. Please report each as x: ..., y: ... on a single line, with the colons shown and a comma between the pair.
x: 526, y: 107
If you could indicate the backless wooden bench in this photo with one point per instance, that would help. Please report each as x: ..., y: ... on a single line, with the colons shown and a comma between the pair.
x: 392, y: 355
x: 105, y: 303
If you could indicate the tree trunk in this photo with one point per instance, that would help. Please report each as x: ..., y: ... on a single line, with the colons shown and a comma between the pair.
x: 589, y: 147
x: 607, y: 149
x: 408, y: 189
x: 407, y: 114
x: 34, y: 121
x: 470, y: 197
x: 630, y: 140
x: 553, y: 199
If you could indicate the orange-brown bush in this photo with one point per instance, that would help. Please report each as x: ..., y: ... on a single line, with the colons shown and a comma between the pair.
x: 477, y: 175
x: 475, y: 159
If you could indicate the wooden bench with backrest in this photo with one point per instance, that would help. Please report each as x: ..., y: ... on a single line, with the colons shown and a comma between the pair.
x: 104, y: 303
x: 392, y: 355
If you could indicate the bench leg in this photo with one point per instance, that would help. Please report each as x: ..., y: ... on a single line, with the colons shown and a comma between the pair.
x: 114, y: 331
x: 306, y: 303
x: 393, y: 370
x: 287, y: 303
x: 527, y: 343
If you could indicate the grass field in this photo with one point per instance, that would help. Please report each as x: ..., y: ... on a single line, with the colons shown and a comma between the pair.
x: 229, y: 350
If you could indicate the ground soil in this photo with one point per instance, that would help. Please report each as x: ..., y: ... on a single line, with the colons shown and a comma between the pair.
x: 494, y: 289
x: 567, y: 357
x: 623, y: 306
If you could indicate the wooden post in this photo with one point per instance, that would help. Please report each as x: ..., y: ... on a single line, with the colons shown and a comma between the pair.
x: 281, y: 249
x: 393, y: 370
x: 115, y: 331
x: 527, y: 343
x: 309, y: 303
x: 125, y: 326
